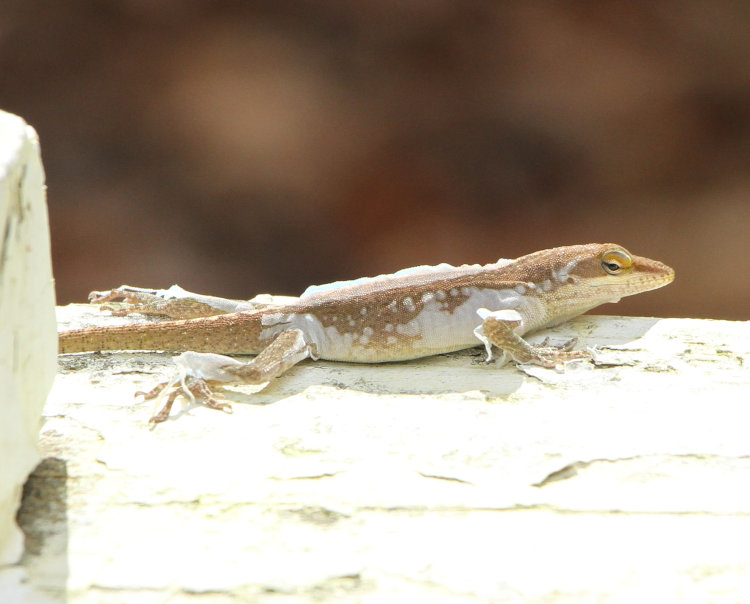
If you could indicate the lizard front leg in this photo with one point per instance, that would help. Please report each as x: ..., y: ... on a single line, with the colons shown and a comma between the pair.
x: 198, y: 371
x: 498, y: 328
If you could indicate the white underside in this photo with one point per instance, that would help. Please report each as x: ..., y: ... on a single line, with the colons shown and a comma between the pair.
x: 433, y: 331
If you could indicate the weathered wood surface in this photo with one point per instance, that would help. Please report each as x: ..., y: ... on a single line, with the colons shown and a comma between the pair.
x: 28, y: 341
x: 442, y: 480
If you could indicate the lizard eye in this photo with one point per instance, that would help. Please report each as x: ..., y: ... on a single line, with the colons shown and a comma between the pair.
x: 615, y: 261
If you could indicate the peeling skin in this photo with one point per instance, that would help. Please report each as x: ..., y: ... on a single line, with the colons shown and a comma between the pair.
x: 410, y: 314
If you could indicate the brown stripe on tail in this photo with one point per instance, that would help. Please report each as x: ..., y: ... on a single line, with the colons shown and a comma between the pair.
x: 224, y: 334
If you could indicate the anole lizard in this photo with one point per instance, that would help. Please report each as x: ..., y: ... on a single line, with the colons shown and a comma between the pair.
x: 413, y: 313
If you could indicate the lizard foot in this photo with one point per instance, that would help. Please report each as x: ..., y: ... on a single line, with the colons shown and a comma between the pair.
x: 196, y: 389
x: 199, y: 369
x: 126, y: 300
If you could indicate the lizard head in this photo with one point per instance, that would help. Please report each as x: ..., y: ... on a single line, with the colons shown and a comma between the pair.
x: 577, y: 278
x: 610, y: 272
x: 586, y: 276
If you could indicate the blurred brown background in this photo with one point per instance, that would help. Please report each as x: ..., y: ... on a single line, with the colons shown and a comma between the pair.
x: 246, y: 147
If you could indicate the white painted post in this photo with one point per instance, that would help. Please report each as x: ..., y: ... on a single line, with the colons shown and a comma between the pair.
x: 28, y: 337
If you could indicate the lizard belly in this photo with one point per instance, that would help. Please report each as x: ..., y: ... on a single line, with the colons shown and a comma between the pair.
x: 436, y: 328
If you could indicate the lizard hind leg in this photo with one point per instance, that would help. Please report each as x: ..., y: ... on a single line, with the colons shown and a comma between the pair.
x: 198, y: 369
x: 173, y: 303
x: 289, y: 348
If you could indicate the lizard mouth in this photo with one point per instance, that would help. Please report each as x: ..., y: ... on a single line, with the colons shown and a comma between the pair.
x: 658, y: 279
x: 642, y: 282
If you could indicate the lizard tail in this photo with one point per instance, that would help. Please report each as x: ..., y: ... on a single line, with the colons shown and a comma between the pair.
x: 222, y: 334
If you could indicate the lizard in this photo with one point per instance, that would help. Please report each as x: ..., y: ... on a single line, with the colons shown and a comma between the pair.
x: 413, y: 313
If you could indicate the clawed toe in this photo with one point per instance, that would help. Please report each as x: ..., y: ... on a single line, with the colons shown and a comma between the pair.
x: 153, y: 393
x: 553, y: 357
x: 110, y: 295
x: 564, y: 347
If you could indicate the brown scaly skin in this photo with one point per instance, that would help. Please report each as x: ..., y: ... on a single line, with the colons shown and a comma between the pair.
x: 395, y: 317
x: 241, y: 333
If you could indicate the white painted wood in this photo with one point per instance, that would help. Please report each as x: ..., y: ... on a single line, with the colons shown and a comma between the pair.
x: 438, y: 480
x: 28, y: 341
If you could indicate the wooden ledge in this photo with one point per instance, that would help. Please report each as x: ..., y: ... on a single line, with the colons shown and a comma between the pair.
x: 440, y: 480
